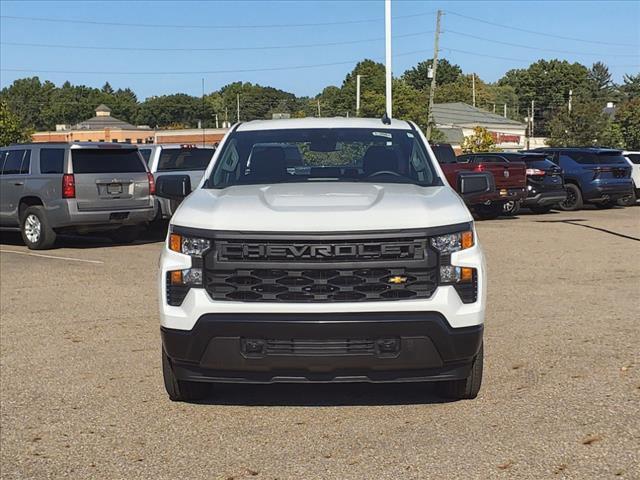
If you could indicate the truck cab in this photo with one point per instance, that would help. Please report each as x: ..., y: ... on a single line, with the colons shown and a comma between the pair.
x: 352, y: 260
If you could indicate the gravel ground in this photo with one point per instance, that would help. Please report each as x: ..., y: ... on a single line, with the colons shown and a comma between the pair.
x: 82, y: 396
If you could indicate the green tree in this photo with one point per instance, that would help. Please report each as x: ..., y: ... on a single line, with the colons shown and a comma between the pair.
x: 418, y: 76
x: 628, y: 120
x: 462, y: 91
x: 600, y: 78
x: 11, y: 131
x: 586, y: 125
x: 631, y: 86
x: 480, y: 141
x: 547, y: 83
x: 169, y: 110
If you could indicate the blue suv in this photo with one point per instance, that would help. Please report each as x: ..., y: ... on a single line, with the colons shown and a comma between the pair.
x: 600, y: 176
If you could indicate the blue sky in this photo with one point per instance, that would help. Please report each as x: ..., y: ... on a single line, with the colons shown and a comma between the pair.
x: 612, y: 29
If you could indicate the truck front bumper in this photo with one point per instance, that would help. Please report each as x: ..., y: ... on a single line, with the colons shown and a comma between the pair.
x: 330, y: 347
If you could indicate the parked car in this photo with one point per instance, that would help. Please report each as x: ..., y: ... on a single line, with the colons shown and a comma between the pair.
x: 509, y: 179
x: 50, y: 188
x: 545, y: 183
x: 190, y: 160
x: 600, y: 176
x: 361, y: 264
x: 633, y: 159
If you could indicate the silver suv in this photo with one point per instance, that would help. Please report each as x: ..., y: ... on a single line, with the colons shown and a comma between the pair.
x: 49, y: 188
x: 176, y: 159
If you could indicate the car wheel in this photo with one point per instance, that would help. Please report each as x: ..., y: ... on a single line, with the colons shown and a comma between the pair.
x: 573, y: 200
x: 125, y: 234
x: 466, y: 388
x: 540, y: 209
x: 510, y: 208
x: 35, y: 229
x: 180, y: 390
x: 489, y: 212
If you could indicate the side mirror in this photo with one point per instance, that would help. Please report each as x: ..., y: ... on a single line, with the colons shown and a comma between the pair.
x: 470, y: 183
x: 173, y: 187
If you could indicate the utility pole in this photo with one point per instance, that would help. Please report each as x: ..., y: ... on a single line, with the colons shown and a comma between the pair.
x: 318, y: 108
x: 203, y: 129
x: 432, y: 90
x: 387, y: 34
x: 505, y: 111
x: 217, y: 120
x: 494, y: 108
x: 533, y: 113
x: 358, y: 78
x: 570, y: 99
x: 527, y: 131
x: 238, y: 106
x: 473, y: 88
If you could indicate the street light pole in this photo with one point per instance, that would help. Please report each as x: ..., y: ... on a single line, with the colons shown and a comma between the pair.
x: 358, y: 77
x: 387, y: 30
x: 432, y: 90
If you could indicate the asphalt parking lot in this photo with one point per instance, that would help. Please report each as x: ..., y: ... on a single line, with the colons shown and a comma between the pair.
x: 82, y: 396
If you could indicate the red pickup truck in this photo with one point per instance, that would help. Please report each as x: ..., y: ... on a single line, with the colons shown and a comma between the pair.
x: 510, y: 180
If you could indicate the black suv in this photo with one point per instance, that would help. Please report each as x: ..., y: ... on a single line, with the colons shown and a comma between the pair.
x: 600, y: 176
x: 545, y: 183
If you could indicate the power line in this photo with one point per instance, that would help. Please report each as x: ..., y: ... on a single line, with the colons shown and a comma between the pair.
x: 206, y: 72
x: 212, y: 49
x: 541, y: 33
x: 540, y: 48
x: 225, y: 26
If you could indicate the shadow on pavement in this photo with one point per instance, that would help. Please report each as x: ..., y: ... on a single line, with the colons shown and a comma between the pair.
x: 152, y: 235
x: 323, y: 395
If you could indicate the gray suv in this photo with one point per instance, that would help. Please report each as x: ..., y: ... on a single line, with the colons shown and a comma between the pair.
x: 49, y: 188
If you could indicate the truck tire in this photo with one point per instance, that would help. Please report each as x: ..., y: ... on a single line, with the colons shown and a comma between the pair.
x: 125, y: 234
x: 574, y: 198
x: 180, y: 390
x: 540, y: 209
x: 489, y: 212
x: 36, y: 232
x: 466, y: 388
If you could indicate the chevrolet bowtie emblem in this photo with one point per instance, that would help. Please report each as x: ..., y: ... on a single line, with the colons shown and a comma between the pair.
x: 397, y: 280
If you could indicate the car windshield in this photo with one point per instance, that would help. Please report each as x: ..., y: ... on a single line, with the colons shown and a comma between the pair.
x: 184, y: 158
x: 603, y: 158
x: 108, y: 160
x: 323, y: 154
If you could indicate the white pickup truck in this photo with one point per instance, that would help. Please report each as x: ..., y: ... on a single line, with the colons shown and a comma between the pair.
x: 354, y: 261
x: 168, y: 159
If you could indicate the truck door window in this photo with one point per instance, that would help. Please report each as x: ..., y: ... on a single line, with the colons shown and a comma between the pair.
x: 13, y: 162
x: 51, y: 160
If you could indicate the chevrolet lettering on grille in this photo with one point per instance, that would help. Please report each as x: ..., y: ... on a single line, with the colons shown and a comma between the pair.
x: 259, y: 251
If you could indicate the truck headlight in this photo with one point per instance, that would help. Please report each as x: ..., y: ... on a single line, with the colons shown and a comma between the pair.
x: 192, y: 246
x: 453, y: 242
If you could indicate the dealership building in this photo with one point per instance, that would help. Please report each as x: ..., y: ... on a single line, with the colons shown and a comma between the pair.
x: 104, y: 127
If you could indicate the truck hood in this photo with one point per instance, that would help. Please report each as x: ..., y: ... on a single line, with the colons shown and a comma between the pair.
x: 321, y: 207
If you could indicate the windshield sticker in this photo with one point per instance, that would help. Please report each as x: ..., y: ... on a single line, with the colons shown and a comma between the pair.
x: 382, y: 134
x: 409, y: 134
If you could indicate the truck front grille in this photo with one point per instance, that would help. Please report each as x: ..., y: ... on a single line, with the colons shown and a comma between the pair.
x: 321, y: 285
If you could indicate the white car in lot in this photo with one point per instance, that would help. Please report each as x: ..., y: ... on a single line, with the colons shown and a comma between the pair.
x: 184, y: 159
x: 633, y: 158
x: 358, y: 263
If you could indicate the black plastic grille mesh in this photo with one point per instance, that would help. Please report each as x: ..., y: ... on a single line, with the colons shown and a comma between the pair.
x: 320, y: 285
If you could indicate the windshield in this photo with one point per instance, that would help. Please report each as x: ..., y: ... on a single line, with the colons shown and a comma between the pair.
x: 108, y: 160
x: 185, y: 158
x: 592, y: 158
x: 307, y: 155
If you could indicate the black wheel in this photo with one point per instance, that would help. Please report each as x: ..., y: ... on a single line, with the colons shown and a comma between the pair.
x: 573, y: 200
x: 179, y: 390
x: 489, y: 212
x: 628, y: 201
x: 466, y: 388
x: 511, y: 208
x: 540, y: 209
x: 125, y: 234
x: 36, y: 231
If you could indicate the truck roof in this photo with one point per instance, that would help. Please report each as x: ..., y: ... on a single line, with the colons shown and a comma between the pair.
x: 333, y: 122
